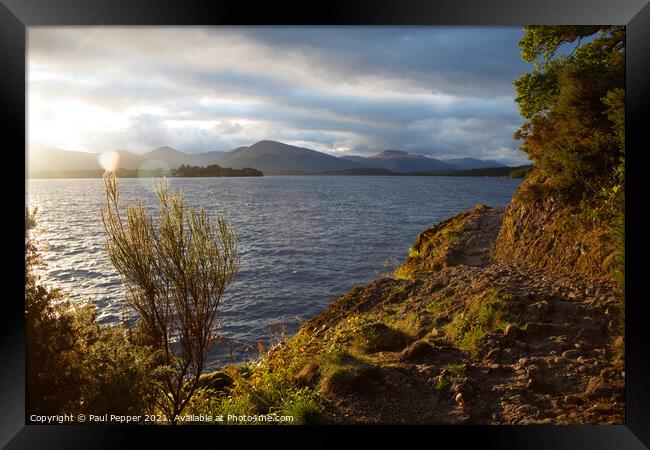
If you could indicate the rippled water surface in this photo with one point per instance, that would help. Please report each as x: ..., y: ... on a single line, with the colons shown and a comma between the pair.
x: 303, y: 240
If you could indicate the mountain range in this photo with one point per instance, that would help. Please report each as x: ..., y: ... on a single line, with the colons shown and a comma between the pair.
x: 271, y: 157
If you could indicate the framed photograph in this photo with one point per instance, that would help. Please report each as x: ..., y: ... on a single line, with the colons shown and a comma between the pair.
x: 358, y: 216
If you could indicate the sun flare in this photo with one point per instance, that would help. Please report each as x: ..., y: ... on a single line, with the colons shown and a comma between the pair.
x: 109, y: 161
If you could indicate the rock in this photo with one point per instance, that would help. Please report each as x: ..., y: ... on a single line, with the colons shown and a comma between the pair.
x: 572, y: 354
x: 363, y: 381
x: 572, y: 400
x: 598, y: 388
x: 308, y: 374
x: 600, y: 409
x: 493, y: 355
x: 607, y: 372
x: 589, y: 334
x: 536, y: 329
x: 418, y: 351
x: 512, y: 332
x: 217, y: 381
x: 528, y: 410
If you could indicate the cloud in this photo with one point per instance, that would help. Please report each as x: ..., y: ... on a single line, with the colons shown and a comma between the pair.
x: 440, y: 91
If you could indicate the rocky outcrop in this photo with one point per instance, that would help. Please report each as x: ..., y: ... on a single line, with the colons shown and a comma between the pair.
x: 492, y: 342
x: 465, y: 238
x: 539, y: 231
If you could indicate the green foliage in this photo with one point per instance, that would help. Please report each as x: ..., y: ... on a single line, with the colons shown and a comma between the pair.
x: 73, y: 364
x: 214, y: 170
x: 520, y: 173
x: 544, y: 41
x: 574, y: 106
x: 263, y: 390
x: 175, y: 269
x: 403, y: 273
x: 413, y: 253
x: 121, y: 376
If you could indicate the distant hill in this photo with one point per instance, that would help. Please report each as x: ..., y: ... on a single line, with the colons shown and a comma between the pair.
x: 271, y: 157
x: 504, y: 171
x: 276, y: 157
x: 168, y: 156
x: 57, y: 160
x: 472, y: 163
x: 401, y: 162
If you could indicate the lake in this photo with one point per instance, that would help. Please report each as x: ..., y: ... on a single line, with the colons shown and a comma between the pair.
x: 303, y: 240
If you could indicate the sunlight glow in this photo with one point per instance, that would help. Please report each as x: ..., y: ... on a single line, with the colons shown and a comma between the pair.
x: 109, y: 161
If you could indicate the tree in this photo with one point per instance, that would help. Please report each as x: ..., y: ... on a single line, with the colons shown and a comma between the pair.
x: 574, y: 109
x: 176, y: 269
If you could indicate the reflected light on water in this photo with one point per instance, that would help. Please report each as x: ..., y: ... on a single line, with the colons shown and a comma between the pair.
x: 109, y: 161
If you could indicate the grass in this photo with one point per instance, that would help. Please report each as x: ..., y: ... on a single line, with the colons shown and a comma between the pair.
x: 481, y: 316
x: 411, y: 324
x: 425, y: 256
x: 261, y: 392
x: 454, y: 369
x: 377, y: 337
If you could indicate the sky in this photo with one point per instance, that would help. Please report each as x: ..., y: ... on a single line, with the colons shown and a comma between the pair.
x: 444, y: 92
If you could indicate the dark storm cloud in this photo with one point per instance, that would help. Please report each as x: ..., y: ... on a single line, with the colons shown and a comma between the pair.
x: 440, y: 91
x: 454, y: 60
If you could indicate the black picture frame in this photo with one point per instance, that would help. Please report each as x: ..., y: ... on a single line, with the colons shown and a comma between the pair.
x: 17, y: 15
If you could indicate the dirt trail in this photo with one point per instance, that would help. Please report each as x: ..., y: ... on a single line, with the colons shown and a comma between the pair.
x: 557, y: 366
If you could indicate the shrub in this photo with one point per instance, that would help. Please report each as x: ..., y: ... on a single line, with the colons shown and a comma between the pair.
x: 74, y: 364
x: 175, y: 269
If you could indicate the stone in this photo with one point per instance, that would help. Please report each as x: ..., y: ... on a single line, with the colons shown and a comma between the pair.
x: 512, y: 332
x: 528, y: 410
x: 539, y: 329
x: 572, y: 400
x: 218, y: 381
x: 308, y: 374
x: 493, y: 354
x: 418, y: 351
x: 572, y: 354
x: 597, y: 388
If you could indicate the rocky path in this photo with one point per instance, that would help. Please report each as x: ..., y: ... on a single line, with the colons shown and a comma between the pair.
x: 557, y: 365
